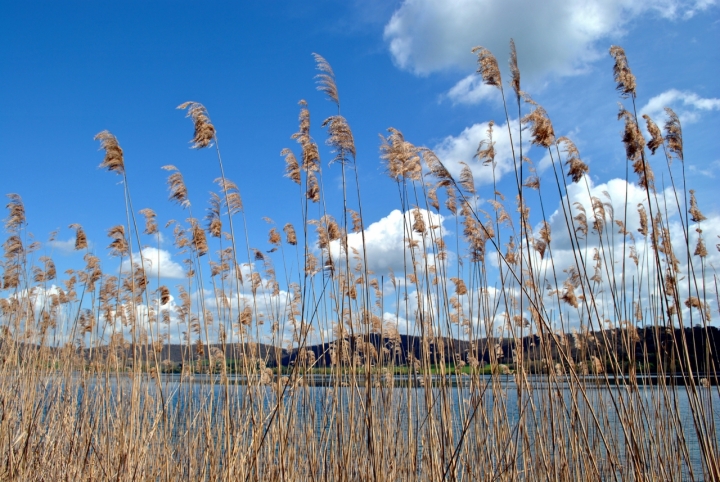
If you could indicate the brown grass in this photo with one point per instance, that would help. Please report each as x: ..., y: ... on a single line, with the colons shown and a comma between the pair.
x: 526, y: 365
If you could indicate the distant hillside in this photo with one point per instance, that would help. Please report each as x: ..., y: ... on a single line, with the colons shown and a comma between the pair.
x: 648, y: 347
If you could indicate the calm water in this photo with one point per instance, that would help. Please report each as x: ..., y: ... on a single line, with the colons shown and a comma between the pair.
x: 184, y: 399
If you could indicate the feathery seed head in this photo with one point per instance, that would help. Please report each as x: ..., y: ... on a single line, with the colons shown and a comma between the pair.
x: 313, y: 188
x: 577, y: 168
x: 340, y: 138
x: 466, y: 180
x: 486, y: 149
x: 633, y: 140
x: 233, y: 200
x: 326, y: 79
x: 621, y: 72
x: 673, y: 134
x: 274, y: 237
x: 695, y: 214
x: 700, y: 249
x: 634, y: 146
x: 356, y: 220
x: 151, y: 226
x: 460, y: 288
x: 290, y: 236
x: 292, y: 168
x: 204, y: 130
x: 643, y: 229
x: 541, y: 128
x: 419, y: 222
x: 113, y: 161
x: 400, y: 157
x: 16, y: 217
x: 80, y: 238
x: 488, y: 67
x: 310, y: 153
x: 119, y: 245
x: 164, y: 295
x: 176, y: 186
x: 214, y: 224
x: 199, y: 241
x: 514, y: 70
x: 656, y: 139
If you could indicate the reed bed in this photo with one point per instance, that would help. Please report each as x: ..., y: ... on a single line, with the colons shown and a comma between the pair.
x: 596, y: 362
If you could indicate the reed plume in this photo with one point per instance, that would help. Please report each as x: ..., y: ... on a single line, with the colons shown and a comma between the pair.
x: 292, y: 168
x: 488, y: 67
x: 326, y: 79
x: 80, y: 238
x: 212, y: 218
x: 310, y: 153
x: 673, y: 134
x: 176, y: 186
x: 164, y: 295
x: 577, y: 168
x: 290, y: 236
x: 514, y: 70
x: 232, y: 195
x: 199, y: 241
x: 204, y: 130
x: 634, y: 149
x: 151, y: 226
x: 16, y: 217
x: 656, y: 139
x: 340, y: 139
x: 466, y: 180
x: 119, y: 245
x: 113, y: 160
x: 696, y: 215
x: 541, y: 128
x: 486, y: 148
x: 622, y: 73
x: 401, y: 158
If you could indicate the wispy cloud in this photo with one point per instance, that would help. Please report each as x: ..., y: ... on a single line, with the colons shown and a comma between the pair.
x: 471, y: 90
x: 64, y: 247
x: 687, y: 105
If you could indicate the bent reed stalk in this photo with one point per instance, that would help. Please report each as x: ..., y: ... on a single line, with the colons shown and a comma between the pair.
x: 580, y: 350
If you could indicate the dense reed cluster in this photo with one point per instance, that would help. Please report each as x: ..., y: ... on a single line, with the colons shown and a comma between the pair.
x: 582, y: 350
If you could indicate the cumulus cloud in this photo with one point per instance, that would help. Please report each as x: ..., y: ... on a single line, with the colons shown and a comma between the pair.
x: 557, y: 36
x: 158, y: 260
x: 624, y: 279
x: 462, y: 148
x: 687, y: 105
x: 385, y: 240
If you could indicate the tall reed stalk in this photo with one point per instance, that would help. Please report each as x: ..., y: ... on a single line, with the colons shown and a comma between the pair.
x: 519, y: 348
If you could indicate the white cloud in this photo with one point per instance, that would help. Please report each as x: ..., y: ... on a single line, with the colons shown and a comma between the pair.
x: 557, y: 36
x: 462, y: 148
x: 64, y: 247
x: 385, y: 240
x: 158, y: 260
x: 687, y: 105
x: 639, y: 282
x: 471, y: 90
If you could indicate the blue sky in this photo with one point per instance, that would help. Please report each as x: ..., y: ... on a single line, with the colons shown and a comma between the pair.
x: 73, y: 69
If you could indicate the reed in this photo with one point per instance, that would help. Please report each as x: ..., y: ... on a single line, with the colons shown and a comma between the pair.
x: 582, y: 350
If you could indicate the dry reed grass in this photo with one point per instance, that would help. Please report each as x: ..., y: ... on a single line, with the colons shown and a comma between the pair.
x: 82, y: 390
